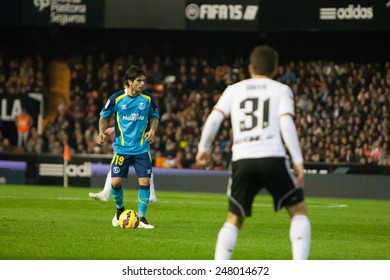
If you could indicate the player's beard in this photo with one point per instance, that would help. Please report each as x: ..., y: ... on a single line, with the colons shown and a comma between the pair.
x: 139, y: 89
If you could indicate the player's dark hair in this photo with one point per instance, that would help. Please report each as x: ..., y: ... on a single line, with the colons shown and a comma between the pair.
x: 132, y: 73
x: 264, y: 60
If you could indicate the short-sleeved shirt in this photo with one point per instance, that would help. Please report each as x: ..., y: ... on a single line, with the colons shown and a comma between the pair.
x: 132, y: 117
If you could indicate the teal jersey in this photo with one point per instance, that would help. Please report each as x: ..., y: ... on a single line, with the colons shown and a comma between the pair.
x: 132, y: 117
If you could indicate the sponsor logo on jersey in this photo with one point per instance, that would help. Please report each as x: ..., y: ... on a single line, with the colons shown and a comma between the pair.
x: 351, y: 12
x: 253, y: 138
x: 133, y: 117
x: 221, y: 12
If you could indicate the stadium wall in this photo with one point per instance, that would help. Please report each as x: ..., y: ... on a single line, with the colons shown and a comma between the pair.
x: 317, y: 185
x: 239, y: 15
x: 322, y: 180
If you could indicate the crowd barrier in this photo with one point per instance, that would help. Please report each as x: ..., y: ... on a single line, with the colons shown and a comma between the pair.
x: 322, y: 180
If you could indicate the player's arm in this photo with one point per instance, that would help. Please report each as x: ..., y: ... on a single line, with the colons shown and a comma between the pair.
x: 153, y: 117
x: 290, y: 137
x: 105, y: 116
x: 103, y: 125
x: 210, y: 129
x: 110, y: 130
x: 149, y: 136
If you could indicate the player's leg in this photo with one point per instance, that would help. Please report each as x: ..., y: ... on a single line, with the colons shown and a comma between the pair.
x: 143, y: 169
x: 241, y: 192
x: 285, y: 194
x: 153, y: 197
x: 227, y: 237
x: 104, y: 195
x: 119, y: 170
x: 143, y: 201
x: 300, y: 231
x: 117, y: 195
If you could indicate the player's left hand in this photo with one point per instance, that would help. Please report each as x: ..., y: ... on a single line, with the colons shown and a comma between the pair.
x: 149, y: 136
x: 299, y: 175
x: 203, y: 159
x: 100, y: 138
x: 109, y: 131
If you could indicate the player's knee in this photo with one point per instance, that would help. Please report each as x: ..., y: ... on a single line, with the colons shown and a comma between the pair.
x: 144, y: 181
x: 297, y: 209
x: 117, y: 183
x: 236, y: 220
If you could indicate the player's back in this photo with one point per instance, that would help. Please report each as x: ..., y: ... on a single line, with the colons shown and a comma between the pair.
x: 256, y: 105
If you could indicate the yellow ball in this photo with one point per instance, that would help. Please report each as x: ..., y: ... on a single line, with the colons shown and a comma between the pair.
x: 129, y: 219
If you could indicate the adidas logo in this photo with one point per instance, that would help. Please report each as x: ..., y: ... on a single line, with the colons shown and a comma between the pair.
x: 348, y: 13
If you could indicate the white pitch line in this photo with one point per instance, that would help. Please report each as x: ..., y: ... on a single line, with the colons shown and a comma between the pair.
x: 180, y: 202
x: 72, y: 198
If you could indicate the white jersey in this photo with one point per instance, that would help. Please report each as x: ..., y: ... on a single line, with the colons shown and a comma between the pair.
x: 255, y: 106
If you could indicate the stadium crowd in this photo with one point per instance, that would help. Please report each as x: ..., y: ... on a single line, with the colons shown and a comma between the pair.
x: 342, y: 109
x: 20, y: 75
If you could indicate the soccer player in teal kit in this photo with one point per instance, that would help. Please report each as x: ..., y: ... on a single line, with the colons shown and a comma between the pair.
x: 136, y: 121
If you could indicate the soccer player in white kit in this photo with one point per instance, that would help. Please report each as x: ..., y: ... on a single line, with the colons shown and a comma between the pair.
x: 261, y: 111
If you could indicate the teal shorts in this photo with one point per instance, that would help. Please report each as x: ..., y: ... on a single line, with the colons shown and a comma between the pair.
x: 142, y: 164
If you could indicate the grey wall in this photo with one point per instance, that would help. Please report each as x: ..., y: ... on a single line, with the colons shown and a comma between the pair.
x: 330, y: 185
x: 348, y: 186
x: 145, y: 14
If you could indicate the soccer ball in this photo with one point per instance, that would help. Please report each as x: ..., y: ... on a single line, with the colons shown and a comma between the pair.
x: 129, y: 219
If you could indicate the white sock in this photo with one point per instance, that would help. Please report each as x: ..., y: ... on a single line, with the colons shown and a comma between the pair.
x: 152, y: 192
x: 226, y: 242
x: 107, y: 185
x: 300, y: 235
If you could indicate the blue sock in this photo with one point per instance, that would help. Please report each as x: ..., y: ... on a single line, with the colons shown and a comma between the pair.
x: 117, y: 195
x: 143, y: 200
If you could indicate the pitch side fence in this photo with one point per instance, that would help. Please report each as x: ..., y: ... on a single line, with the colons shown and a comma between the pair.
x: 322, y: 180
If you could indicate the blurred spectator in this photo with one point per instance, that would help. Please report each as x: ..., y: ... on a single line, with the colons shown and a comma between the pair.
x: 35, y: 142
x: 342, y: 109
x: 23, y: 123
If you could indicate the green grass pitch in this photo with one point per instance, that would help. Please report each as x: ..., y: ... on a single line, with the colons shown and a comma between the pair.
x: 54, y: 223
